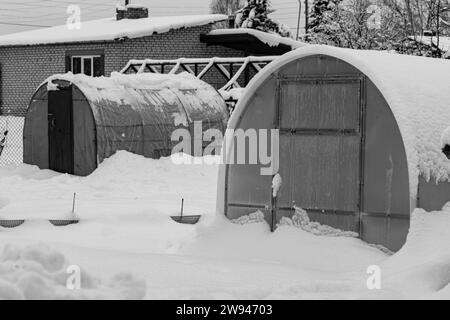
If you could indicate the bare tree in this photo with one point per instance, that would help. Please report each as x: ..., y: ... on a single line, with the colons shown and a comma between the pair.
x: 358, y: 24
x: 227, y: 7
x: 421, y: 16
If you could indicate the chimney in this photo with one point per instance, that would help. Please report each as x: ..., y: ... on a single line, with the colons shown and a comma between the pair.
x: 135, y: 11
x: 120, y: 12
x: 232, y: 21
x: 131, y: 11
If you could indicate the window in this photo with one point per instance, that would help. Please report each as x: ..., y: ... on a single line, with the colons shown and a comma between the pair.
x: 89, y: 62
x: 89, y: 65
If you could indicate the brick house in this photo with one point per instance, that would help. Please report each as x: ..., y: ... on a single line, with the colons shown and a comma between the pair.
x: 98, y: 48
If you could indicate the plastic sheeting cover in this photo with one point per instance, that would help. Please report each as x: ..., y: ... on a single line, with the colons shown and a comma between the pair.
x: 139, y: 112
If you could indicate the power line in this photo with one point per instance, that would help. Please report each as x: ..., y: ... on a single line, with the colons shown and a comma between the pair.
x: 32, y: 12
x: 24, y: 25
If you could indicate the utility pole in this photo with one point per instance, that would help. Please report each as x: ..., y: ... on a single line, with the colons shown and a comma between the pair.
x: 438, y: 25
x: 298, y: 21
x: 306, y: 17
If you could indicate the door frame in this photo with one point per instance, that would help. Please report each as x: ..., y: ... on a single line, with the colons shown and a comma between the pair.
x: 322, y: 79
x: 71, y: 133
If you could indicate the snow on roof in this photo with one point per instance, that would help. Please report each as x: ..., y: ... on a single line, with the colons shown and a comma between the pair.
x: 110, y: 88
x: 444, y: 42
x: 144, y: 92
x: 270, y: 39
x: 153, y: 81
x: 416, y: 88
x: 108, y: 29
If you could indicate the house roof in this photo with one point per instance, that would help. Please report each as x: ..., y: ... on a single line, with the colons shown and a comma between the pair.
x: 252, y: 41
x: 107, y: 30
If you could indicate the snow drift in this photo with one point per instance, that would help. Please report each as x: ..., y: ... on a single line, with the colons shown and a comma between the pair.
x: 36, y: 272
x: 123, y: 186
x: 422, y: 267
x: 125, y: 225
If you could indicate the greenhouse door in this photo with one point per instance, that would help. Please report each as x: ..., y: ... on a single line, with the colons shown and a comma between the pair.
x: 60, y: 130
x: 320, y: 150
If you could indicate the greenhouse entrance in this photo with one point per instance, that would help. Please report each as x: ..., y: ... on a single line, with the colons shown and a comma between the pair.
x: 320, y: 150
x: 60, y: 130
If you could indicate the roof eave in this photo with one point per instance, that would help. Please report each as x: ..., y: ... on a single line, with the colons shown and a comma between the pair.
x: 245, y: 42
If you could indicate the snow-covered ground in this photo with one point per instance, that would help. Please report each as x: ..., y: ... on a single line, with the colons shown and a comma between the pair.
x: 128, y: 247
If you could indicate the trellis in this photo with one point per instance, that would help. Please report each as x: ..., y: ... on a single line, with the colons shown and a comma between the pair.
x: 232, y: 69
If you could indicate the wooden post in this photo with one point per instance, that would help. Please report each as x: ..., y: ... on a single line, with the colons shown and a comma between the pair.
x: 182, y: 207
x: 73, y: 203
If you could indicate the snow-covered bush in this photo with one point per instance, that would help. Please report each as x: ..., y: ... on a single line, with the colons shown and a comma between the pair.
x: 372, y: 24
x: 355, y: 24
x: 37, y: 272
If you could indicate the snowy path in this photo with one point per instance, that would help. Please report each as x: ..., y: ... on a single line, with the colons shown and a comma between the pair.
x: 125, y: 227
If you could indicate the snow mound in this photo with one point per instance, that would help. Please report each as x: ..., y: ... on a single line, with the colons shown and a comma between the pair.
x: 277, y: 181
x: 422, y: 266
x: 125, y: 167
x: 125, y: 187
x: 233, y: 94
x: 3, y: 202
x: 301, y: 220
x: 255, y: 217
x: 38, y: 273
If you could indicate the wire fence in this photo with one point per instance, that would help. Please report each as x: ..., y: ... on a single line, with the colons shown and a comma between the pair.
x: 11, y: 141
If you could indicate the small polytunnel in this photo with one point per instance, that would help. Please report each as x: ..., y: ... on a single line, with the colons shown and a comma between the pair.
x: 74, y: 122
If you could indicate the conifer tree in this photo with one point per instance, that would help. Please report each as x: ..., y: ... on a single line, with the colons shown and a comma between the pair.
x: 255, y: 15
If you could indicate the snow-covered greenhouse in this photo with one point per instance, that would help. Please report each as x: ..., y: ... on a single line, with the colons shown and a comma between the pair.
x: 74, y: 122
x: 360, y: 141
